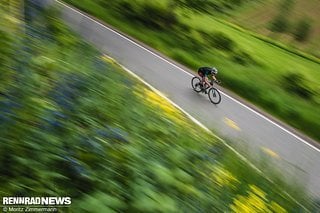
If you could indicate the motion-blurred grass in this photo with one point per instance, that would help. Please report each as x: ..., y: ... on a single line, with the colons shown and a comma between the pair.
x: 258, y: 16
x: 251, y: 65
x: 73, y: 123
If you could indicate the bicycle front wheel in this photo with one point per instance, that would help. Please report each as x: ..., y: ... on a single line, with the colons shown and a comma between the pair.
x: 196, y: 84
x: 214, y: 95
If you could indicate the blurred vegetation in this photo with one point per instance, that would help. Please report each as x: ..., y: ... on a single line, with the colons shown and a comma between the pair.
x: 281, y: 24
x: 199, y: 36
x: 66, y: 130
x: 296, y: 83
x: 160, y: 14
x: 279, y: 20
x: 209, y: 6
x: 302, y: 29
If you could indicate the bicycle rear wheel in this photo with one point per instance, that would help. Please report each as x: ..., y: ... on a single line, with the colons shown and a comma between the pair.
x: 214, y: 95
x: 196, y: 84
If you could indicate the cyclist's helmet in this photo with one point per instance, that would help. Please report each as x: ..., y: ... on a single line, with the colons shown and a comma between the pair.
x: 214, y: 71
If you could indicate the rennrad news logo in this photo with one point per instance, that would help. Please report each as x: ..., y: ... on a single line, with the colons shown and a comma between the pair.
x: 39, y: 201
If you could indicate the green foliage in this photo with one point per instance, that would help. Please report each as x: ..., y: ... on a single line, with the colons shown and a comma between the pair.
x: 192, y: 40
x: 242, y: 58
x: 184, y: 58
x: 302, y: 30
x: 222, y: 41
x: 297, y: 84
x: 8, y: 45
x: 158, y: 15
x: 286, y: 6
x: 246, y: 89
x: 219, y: 40
x: 58, y: 29
x: 280, y: 24
x: 209, y: 6
x: 6, y: 49
x: 197, y: 5
x: 100, y: 202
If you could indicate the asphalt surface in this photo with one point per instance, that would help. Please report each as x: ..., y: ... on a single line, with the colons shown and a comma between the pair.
x: 250, y: 132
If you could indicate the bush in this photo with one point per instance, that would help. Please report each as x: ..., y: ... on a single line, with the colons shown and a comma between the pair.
x: 219, y: 40
x: 302, y: 30
x: 154, y: 15
x: 192, y: 40
x: 269, y: 101
x: 242, y: 58
x: 296, y: 83
x: 245, y: 88
x: 280, y: 24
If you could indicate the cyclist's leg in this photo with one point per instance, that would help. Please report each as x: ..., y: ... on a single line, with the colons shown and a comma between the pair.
x: 206, y: 85
x: 202, y: 78
x: 206, y: 81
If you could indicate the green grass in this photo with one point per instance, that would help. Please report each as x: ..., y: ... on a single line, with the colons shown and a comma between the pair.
x: 67, y: 129
x: 259, y: 80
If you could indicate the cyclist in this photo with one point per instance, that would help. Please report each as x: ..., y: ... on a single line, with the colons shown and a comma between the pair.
x: 204, y: 73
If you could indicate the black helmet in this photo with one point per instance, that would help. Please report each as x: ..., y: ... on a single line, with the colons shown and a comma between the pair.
x: 214, y: 70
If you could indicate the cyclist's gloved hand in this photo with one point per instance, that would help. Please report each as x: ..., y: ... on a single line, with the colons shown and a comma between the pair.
x: 218, y: 81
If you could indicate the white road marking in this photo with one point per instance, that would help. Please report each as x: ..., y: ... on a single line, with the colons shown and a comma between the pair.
x: 158, y: 56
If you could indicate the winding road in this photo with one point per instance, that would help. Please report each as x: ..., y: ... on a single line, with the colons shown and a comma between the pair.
x: 252, y: 134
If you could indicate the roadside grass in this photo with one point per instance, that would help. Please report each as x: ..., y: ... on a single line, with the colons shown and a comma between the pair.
x: 253, y: 68
x: 74, y: 123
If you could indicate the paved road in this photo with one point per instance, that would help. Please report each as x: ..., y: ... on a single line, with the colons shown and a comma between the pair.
x: 252, y: 133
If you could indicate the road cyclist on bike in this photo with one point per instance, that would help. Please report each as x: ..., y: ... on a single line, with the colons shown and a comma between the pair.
x: 205, y: 73
x: 201, y: 83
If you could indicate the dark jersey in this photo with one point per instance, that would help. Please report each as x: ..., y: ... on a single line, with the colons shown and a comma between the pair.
x: 205, y: 70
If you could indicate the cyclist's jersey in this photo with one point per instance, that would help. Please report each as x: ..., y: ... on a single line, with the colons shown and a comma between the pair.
x: 205, y: 70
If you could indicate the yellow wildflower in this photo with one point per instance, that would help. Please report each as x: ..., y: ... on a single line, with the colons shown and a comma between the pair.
x: 224, y: 178
x: 161, y: 103
x: 257, y: 191
x: 251, y: 203
x: 255, y: 201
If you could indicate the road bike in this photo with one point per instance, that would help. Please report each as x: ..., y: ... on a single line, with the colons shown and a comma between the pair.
x: 213, y: 93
